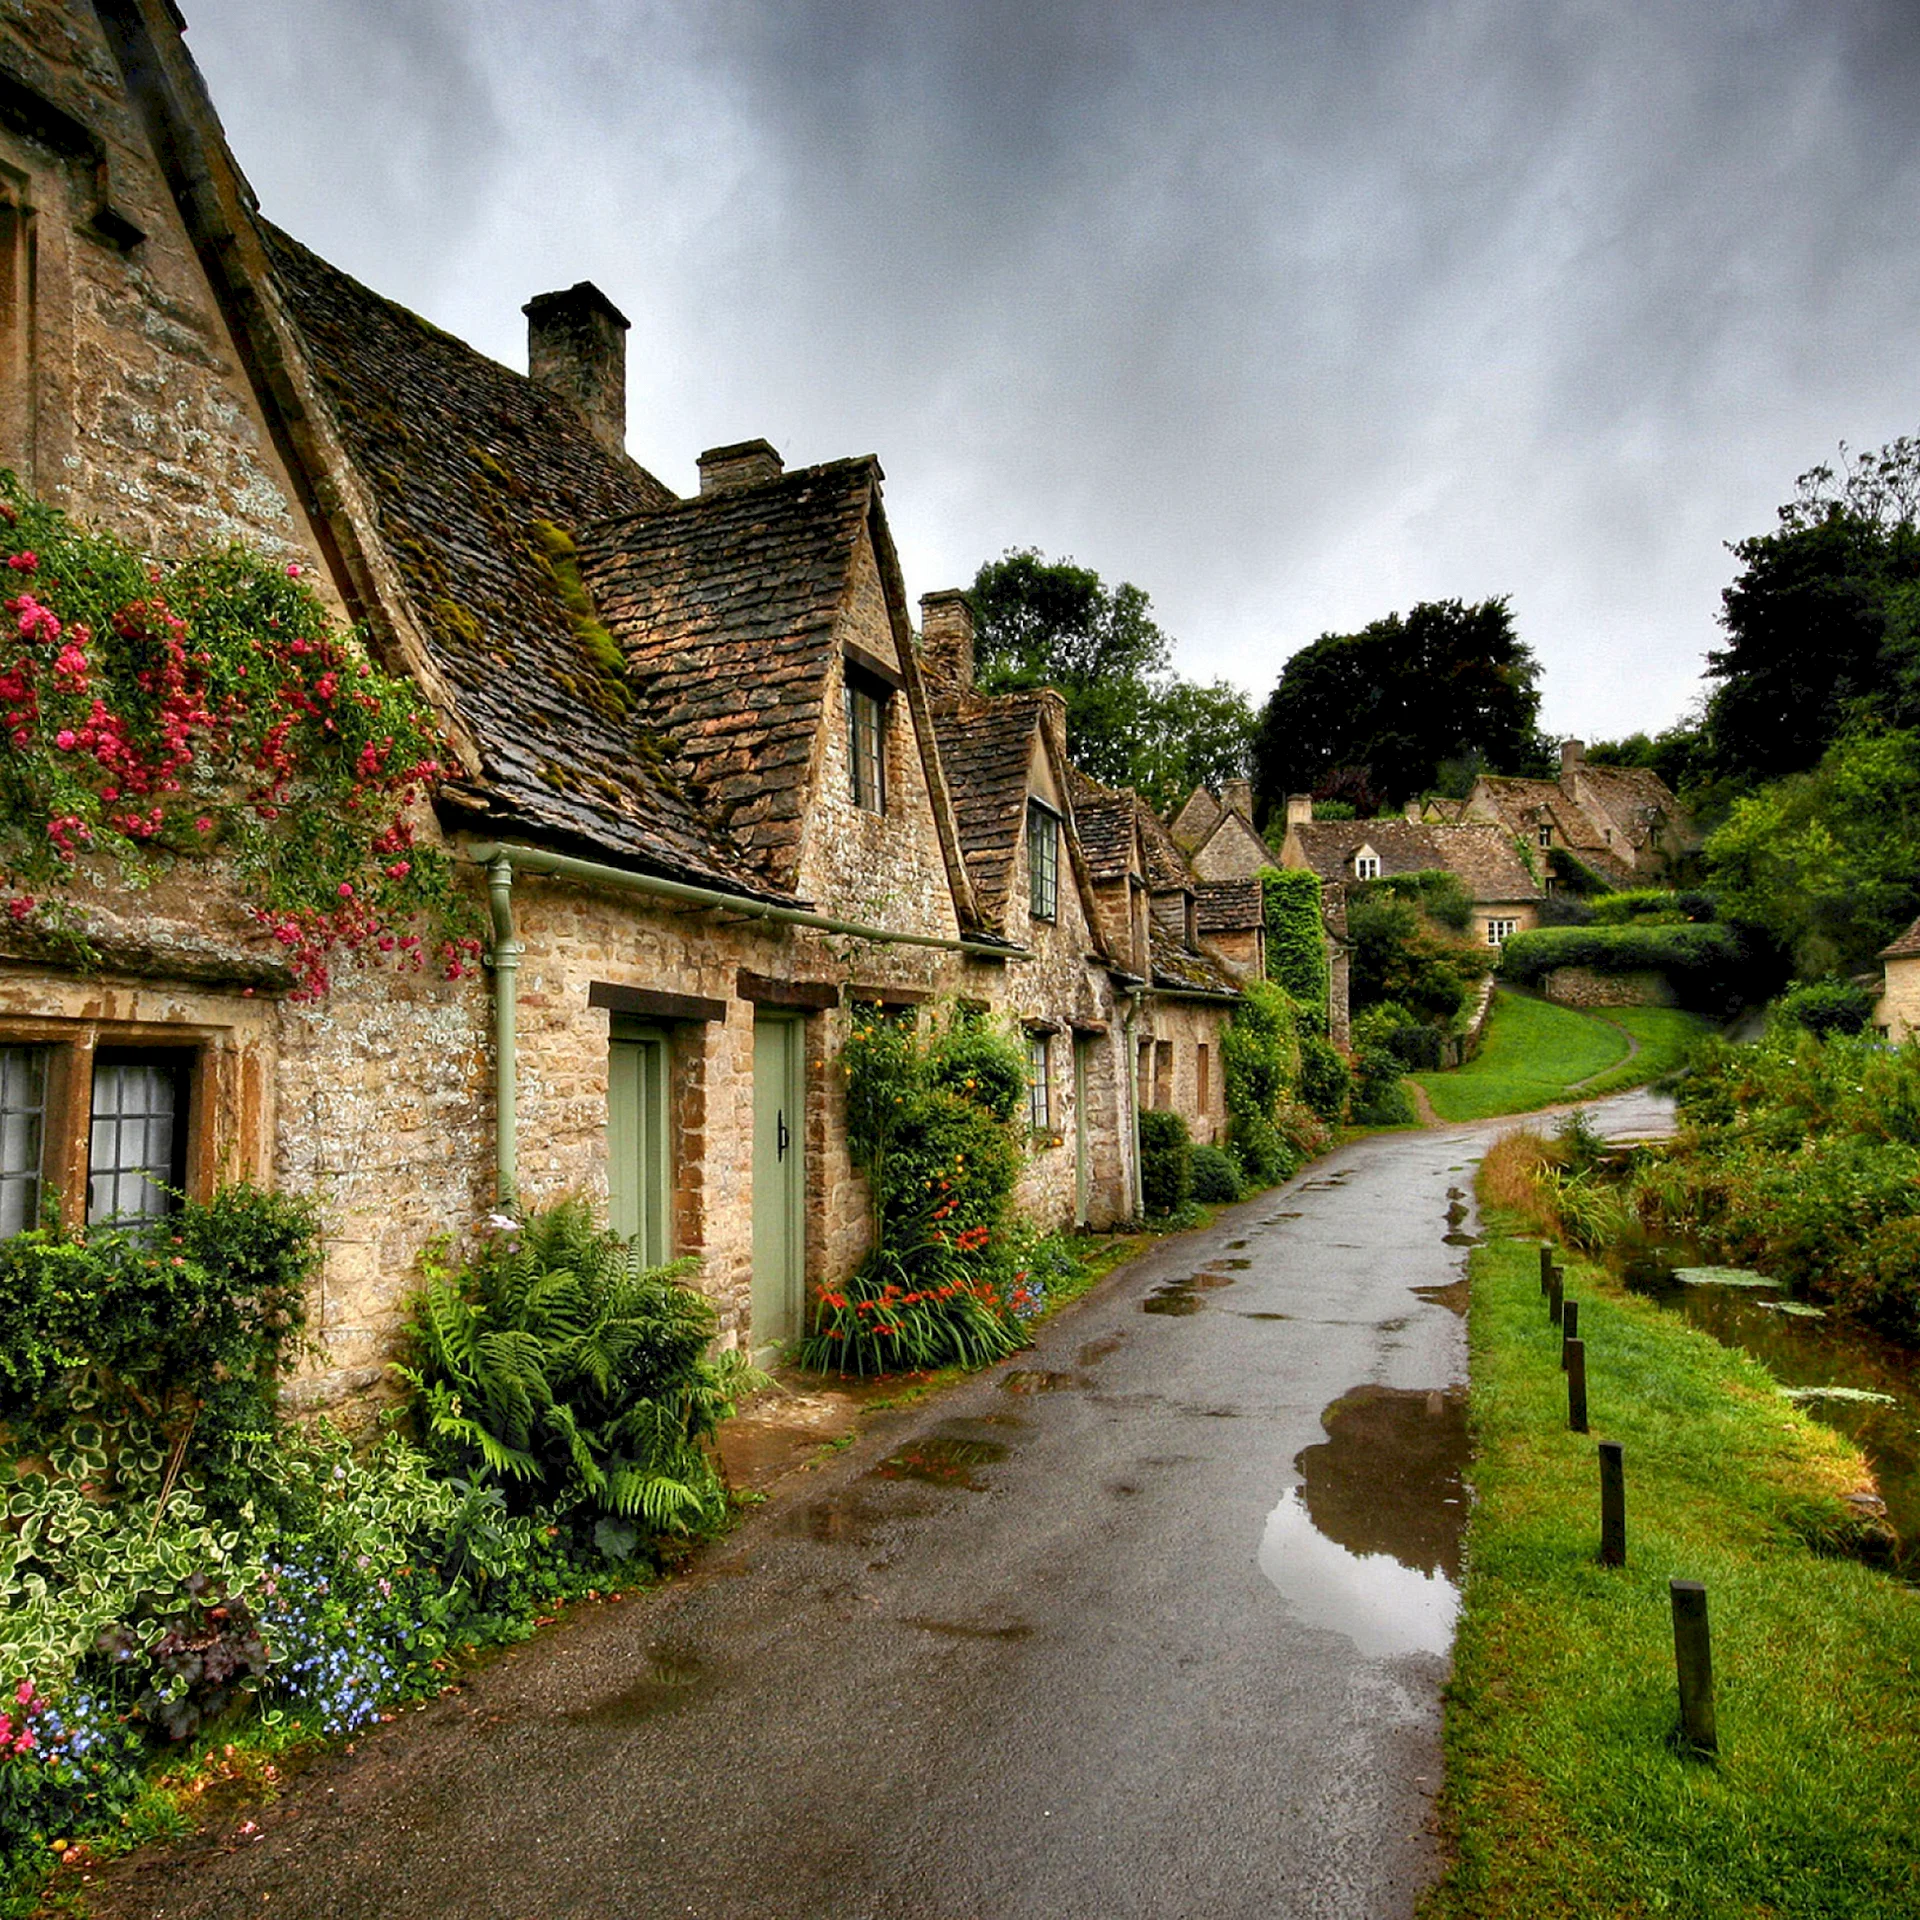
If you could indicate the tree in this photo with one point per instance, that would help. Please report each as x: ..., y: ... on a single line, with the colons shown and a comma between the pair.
x: 1131, y: 721
x: 1828, y: 861
x: 1378, y: 716
x: 1823, y: 621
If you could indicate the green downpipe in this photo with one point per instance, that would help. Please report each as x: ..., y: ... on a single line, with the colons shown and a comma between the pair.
x: 506, y: 1007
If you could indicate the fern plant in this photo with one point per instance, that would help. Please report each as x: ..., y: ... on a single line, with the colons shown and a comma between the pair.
x: 558, y: 1364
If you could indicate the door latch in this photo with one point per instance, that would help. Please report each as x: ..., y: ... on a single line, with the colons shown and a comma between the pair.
x: 781, y: 1137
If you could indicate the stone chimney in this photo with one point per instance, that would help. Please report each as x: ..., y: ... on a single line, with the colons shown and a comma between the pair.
x: 1573, y: 755
x: 946, y: 635
x: 1237, y: 796
x: 1413, y: 812
x: 577, y: 348
x: 744, y: 464
x: 1299, y: 809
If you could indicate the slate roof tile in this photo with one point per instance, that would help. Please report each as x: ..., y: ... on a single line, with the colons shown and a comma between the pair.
x: 986, y: 745
x: 482, y: 484
x: 1230, y: 906
x: 1907, y: 947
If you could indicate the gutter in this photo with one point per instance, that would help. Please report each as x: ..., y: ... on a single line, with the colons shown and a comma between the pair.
x: 501, y: 859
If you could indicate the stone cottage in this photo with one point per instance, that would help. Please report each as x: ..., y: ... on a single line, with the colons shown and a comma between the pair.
x: 707, y: 790
x: 1896, y: 1016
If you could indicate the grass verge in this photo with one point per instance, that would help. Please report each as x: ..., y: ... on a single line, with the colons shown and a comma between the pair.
x: 1536, y: 1055
x: 1566, y: 1795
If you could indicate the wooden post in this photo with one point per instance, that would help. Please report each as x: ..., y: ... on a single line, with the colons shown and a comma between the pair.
x: 1693, y: 1659
x: 1546, y: 1270
x: 1569, y: 1328
x: 1577, y: 1386
x: 1613, y: 1504
x: 1556, y: 1295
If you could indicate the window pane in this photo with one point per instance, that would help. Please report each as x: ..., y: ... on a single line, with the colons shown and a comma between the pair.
x: 1039, y: 1106
x: 866, y: 748
x: 1043, y: 861
x: 23, y: 1099
x: 132, y: 1141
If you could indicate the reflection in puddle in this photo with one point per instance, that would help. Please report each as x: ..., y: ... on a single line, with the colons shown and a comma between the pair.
x: 1094, y: 1351
x: 1452, y: 1297
x: 1176, y: 1297
x: 942, y: 1460
x: 1236, y: 1245
x: 1369, y: 1544
x: 1266, y: 1316
x: 672, y: 1677
x: 1037, y: 1380
x: 1460, y: 1239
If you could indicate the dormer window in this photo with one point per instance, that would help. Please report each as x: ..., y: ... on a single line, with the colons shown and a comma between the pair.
x: 1043, y: 860
x: 1546, y: 836
x: 1366, y: 864
x: 867, y: 744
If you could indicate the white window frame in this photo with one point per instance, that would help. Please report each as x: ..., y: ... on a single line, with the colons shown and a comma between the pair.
x: 1500, y: 930
x: 1043, y: 860
x: 1366, y: 865
x: 1039, y: 1080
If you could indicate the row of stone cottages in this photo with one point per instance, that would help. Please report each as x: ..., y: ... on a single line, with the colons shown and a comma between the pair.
x: 790, y: 808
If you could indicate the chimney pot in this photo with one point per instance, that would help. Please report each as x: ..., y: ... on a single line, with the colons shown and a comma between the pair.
x: 946, y: 635
x: 1573, y: 754
x: 577, y: 348
x: 747, y: 463
x: 1299, y: 809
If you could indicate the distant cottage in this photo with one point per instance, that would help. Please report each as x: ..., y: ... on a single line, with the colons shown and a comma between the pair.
x: 711, y: 790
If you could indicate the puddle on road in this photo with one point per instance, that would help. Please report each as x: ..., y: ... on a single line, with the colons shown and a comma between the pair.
x: 1266, y: 1316
x: 1235, y: 1245
x: 1094, y: 1351
x: 968, y: 1630
x: 1040, y: 1380
x: 942, y: 1460
x: 1453, y: 1296
x: 672, y: 1678
x: 1176, y: 1297
x: 1459, y: 1239
x: 1368, y: 1544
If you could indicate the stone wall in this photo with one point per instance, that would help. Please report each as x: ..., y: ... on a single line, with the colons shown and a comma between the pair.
x: 1898, y: 1012
x: 122, y: 398
x: 1582, y: 987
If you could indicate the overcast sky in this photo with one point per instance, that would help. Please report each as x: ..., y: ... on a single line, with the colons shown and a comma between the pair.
x: 1291, y: 313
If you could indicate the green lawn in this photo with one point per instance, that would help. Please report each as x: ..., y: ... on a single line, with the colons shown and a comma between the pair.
x: 1536, y: 1054
x: 1565, y: 1792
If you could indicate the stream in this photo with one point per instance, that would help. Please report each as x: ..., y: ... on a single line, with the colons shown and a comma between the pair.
x: 1878, y: 1402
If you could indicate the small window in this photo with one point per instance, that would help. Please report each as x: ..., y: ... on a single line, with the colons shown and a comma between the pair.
x: 136, y: 1144
x: 1043, y: 860
x: 1500, y: 931
x: 1546, y: 836
x: 1366, y: 866
x: 867, y: 746
x: 1203, y: 1079
x: 1163, y: 1074
x: 1039, y: 1082
x: 23, y: 1113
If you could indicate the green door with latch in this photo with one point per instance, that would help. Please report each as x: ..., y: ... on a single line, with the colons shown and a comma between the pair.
x: 639, y: 1185
x: 779, y: 1180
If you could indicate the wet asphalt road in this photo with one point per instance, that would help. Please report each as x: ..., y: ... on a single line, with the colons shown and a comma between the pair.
x: 1124, y: 1627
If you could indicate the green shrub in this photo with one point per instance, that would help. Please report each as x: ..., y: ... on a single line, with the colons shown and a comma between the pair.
x: 1325, y: 1078
x: 1440, y: 895
x: 1380, y: 1097
x: 1166, y: 1161
x: 558, y: 1365
x: 1399, y: 955
x: 1650, y: 906
x: 1215, y: 1176
x: 1709, y: 967
x: 1824, y: 1006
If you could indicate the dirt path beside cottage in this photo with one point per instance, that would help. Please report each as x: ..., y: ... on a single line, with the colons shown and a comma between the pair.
x: 1150, y: 1621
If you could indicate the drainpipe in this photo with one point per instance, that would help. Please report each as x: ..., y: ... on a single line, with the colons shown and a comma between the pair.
x: 506, y: 999
x: 1130, y: 1075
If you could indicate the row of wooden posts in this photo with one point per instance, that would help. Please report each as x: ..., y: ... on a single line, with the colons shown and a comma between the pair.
x: 1692, y: 1645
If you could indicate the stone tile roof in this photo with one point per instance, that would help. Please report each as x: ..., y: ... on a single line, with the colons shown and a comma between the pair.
x: 1198, y: 816
x: 1104, y: 819
x: 1178, y: 968
x: 1907, y: 947
x: 1484, y: 857
x: 1523, y: 805
x: 725, y: 609
x: 481, y: 483
x: 986, y: 745
x: 1230, y: 906
x: 1167, y: 868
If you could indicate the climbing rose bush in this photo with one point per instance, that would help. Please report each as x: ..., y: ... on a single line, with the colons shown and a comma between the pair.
x: 211, y: 705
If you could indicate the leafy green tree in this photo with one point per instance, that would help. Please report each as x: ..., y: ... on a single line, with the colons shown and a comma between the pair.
x: 1822, y: 622
x: 1378, y: 716
x: 1828, y: 861
x: 1131, y: 720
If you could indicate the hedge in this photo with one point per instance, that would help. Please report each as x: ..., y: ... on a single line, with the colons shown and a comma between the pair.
x: 1709, y: 966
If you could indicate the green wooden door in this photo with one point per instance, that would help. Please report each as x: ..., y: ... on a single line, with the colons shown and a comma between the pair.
x: 779, y: 1180
x: 639, y: 1184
